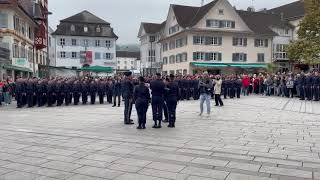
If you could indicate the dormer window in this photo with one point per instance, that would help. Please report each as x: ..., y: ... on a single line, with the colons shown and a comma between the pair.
x: 85, y: 29
x: 98, y: 29
x: 73, y: 28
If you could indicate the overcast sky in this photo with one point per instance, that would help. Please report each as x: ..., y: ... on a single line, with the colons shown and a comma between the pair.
x: 125, y: 16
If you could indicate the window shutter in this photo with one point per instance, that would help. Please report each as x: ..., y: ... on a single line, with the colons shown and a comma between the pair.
x: 219, y: 57
x: 104, y: 56
x: 186, y: 41
x: 245, y: 42
x: 220, y: 41
x: 221, y: 24
x: 266, y: 43
x: 59, y: 54
x: 234, y: 41
x: 234, y: 57
x: 256, y: 42
x: 207, y: 40
x: 208, y: 23
x: 245, y: 57
x: 207, y: 56
x: 233, y: 24
x: 111, y: 55
x: 185, y: 57
x: 194, y: 39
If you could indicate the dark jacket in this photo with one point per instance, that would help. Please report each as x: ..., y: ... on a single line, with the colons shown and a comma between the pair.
x: 127, y: 89
x: 157, y: 87
x: 141, y: 93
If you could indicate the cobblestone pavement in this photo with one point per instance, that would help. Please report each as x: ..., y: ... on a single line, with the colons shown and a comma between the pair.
x: 250, y: 138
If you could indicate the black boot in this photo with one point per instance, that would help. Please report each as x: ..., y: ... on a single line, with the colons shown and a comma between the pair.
x: 143, y: 126
x: 139, y: 127
x: 170, y: 125
x: 155, y: 125
x: 159, y: 125
x: 173, y: 124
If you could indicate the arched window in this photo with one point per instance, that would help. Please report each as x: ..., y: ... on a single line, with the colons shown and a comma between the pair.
x: 73, y: 28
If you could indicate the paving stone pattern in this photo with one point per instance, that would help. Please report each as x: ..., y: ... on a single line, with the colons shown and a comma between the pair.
x: 252, y: 138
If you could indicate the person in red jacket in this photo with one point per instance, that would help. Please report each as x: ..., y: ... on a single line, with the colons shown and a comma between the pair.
x: 245, y: 85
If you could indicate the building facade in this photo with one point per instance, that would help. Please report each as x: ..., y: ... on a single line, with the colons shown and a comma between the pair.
x: 150, y: 49
x: 85, y: 40
x: 128, y: 61
x: 220, y: 39
x: 19, y: 34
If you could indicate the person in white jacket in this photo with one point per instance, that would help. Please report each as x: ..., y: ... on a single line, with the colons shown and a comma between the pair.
x: 217, y: 91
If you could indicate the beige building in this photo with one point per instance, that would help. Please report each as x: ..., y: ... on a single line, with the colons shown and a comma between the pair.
x: 220, y: 39
x: 128, y: 61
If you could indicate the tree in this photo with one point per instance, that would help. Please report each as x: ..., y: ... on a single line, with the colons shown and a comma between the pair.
x: 307, y: 48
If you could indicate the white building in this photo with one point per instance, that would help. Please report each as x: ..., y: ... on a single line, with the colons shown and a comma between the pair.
x: 85, y: 40
x: 150, y: 49
x: 128, y: 61
x: 218, y: 38
x: 19, y: 32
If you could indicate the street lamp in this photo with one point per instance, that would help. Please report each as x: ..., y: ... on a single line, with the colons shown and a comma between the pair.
x: 151, y: 40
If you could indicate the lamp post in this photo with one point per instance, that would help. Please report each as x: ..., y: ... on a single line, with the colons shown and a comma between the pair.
x: 151, y: 40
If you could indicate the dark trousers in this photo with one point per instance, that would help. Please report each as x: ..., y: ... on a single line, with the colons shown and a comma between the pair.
x: 225, y: 92
x: 316, y: 93
x: 196, y: 94
x: 232, y: 92
x: 290, y: 92
x: 40, y: 99
x: 76, y: 97
x: 127, y: 109
x: 142, y: 109
x: 238, y: 92
x: 19, y: 97
x: 84, y: 98
x: 50, y: 98
x: 183, y: 94
x: 172, y: 106
x: 115, y: 100
x: 309, y: 92
x: 93, y: 98
x: 30, y: 99
x: 218, y: 100
x: 101, y: 98
x: 188, y: 93
x: 109, y: 97
x: 302, y: 94
x: 165, y: 110
x: 157, y: 107
x: 68, y: 98
x: 60, y: 98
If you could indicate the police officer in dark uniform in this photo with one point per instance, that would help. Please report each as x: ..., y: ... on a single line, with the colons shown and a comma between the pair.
x: 302, y: 83
x: 51, y: 93
x: 127, y: 89
x: 30, y: 92
x: 309, y: 84
x: 101, y: 90
x: 116, y: 92
x: 93, y: 91
x: 109, y: 91
x: 41, y: 92
x: 173, y: 96
x: 84, y: 91
x: 20, y: 91
x: 196, y: 92
x: 238, y: 87
x: 158, y: 88
x: 316, y: 86
x: 68, y: 92
x: 141, y: 97
x: 76, y: 90
x: 59, y: 93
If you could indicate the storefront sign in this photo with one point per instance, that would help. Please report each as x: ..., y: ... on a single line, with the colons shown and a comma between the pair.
x: 110, y: 63
x: 21, y: 62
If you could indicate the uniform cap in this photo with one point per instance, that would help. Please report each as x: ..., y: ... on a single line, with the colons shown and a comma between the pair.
x: 127, y: 73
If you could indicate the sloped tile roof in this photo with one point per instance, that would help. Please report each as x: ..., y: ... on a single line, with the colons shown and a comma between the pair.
x: 290, y: 11
x: 85, y: 17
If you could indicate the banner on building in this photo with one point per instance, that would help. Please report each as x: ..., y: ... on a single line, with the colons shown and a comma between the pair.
x: 86, y: 57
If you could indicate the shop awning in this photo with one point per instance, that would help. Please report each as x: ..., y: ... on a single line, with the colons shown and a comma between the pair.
x: 98, y: 69
x: 237, y: 65
x: 17, y: 68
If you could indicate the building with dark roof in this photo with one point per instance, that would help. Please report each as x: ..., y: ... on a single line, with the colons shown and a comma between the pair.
x: 128, y: 61
x: 85, y: 40
x: 216, y: 35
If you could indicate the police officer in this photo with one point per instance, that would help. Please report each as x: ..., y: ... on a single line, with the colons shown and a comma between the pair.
x: 127, y: 94
x: 20, y: 92
x: 101, y: 90
x: 109, y: 91
x: 238, y: 87
x: 76, y: 90
x: 41, y: 92
x: 68, y: 92
x: 316, y: 86
x: 51, y: 93
x: 116, y: 91
x: 309, y: 84
x: 84, y: 91
x: 172, y: 98
x: 141, y: 97
x: 93, y: 91
x: 59, y: 92
x: 302, y: 82
x: 30, y: 92
x: 157, y: 87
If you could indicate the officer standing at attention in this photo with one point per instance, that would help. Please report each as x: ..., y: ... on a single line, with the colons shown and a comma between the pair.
x: 157, y: 87
x: 20, y: 90
x: 101, y: 91
x: 309, y: 84
x: 141, y: 97
x: 84, y: 91
x: 173, y: 96
x: 76, y: 90
x: 116, y: 91
x: 30, y: 91
x: 127, y: 94
x: 316, y: 86
x: 93, y: 91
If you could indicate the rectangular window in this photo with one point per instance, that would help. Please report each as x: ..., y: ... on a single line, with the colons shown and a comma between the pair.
x: 16, y: 23
x: 3, y: 20
x: 172, y: 45
x: 108, y: 55
x: 198, y: 56
x: 97, y: 43
x: 152, y: 56
x: 152, y: 38
x: 220, y: 11
x: 174, y: 29
x: 86, y: 42
x: 239, y: 57
x: 73, y: 42
x: 62, y: 42
x: 97, y: 55
x: 239, y: 41
x: 216, y: 41
x: 172, y: 59
x: 62, y: 54
x: 165, y: 47
x: 213, y: 56
x: 214, y: 23
x: 74, y: 55
x: 280, y: 52
x: 108, y: 44
x: 198, y: 40
x: 184, y: 57
x: 15, y: 49
x: 165, y: 60
x: 260, y: 57
x: 261, y: 42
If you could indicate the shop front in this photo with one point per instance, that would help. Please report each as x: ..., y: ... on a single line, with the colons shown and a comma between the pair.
x: 19, y: 67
